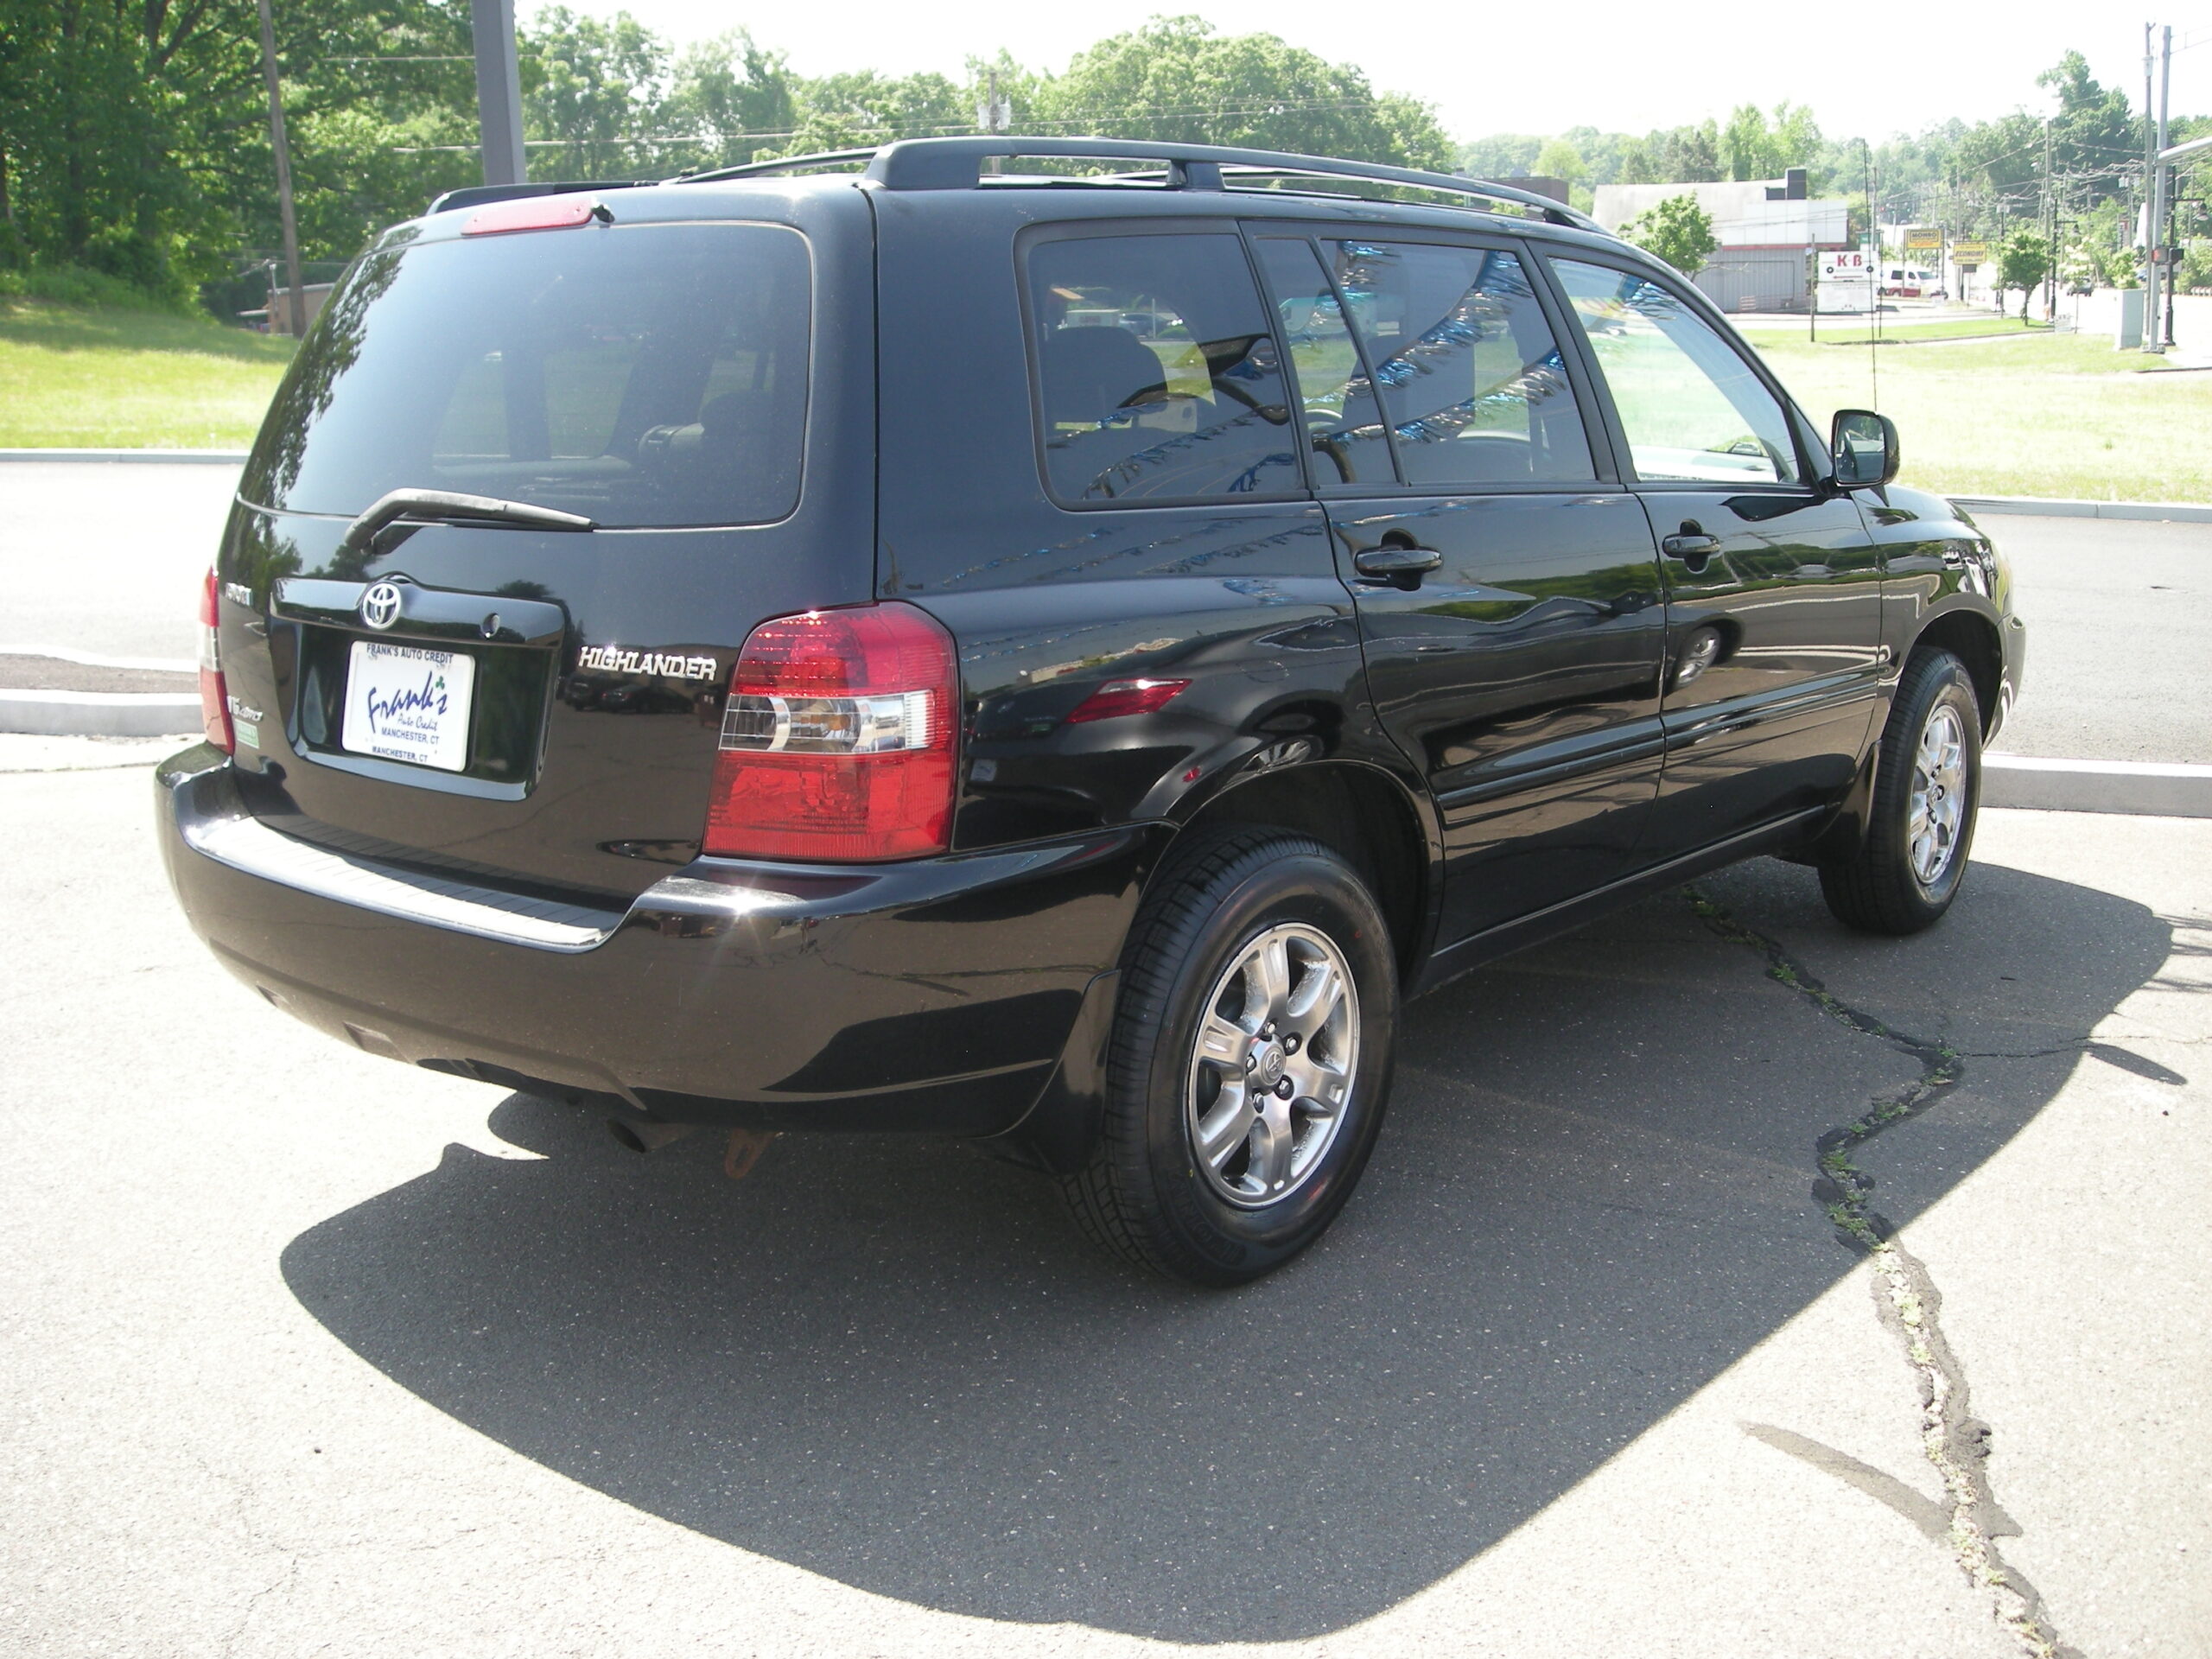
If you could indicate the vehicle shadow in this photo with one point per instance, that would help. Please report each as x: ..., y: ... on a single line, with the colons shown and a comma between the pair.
x: 891, y: 1363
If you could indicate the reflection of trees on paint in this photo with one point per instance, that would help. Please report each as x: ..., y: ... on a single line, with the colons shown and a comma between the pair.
x: 333, y: 346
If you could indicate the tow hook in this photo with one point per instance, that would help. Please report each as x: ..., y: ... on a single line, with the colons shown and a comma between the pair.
x: 646, y: 1135
x: 744, y: 1151
x: 642, y: 1136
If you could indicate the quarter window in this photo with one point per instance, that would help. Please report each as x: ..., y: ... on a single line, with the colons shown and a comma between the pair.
x: 1158, y: 372
x: 1691, y: 407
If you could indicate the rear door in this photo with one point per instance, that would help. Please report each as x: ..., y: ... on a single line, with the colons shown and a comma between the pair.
x: 1774, y: 585
x: 1520, y: 670
x: 535, y: 706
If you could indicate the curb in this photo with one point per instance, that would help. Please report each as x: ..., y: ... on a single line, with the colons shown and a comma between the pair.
x: 100, y: 714
x: 2152, y: 789
x: 2178, y: 513
x: 167, y: 457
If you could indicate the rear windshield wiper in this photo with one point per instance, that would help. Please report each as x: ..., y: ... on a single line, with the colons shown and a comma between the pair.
x: 448, y: 507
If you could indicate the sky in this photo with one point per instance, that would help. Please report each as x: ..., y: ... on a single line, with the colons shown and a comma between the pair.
x: 1866, y: 69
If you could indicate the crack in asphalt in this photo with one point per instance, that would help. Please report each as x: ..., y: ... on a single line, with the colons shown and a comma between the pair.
x: 1907, y: 1302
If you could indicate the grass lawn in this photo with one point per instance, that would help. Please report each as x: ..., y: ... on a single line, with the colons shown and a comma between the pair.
x: 102, y: 376
x: 2055, y: 415
x: 1856, y: 331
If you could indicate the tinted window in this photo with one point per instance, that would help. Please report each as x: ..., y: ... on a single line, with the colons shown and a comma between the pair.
x: 1337, y: 402
x: 1691, y: 407
x: 639, y: 375
x: 1471, y: 378
x: 1158, y: 372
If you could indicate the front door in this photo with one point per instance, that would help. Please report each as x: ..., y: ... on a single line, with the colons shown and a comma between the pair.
x: 1774, y: 591
x: 1508, y: 595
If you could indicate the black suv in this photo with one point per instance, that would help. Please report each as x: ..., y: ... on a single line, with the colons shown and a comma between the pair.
x: 892, y: 642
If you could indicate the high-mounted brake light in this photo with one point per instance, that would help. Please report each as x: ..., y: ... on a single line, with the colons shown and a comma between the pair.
x: 537, y: 214
x: 837, y: 739
x: 214, y: 698
x: 1127, y: 697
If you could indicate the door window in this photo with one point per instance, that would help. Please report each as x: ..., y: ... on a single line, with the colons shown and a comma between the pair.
x: 1471, y: 378
x: 1158, y: 373
x: 1691, y: 407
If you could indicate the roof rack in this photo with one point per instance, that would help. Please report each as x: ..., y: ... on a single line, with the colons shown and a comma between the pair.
x: 781, y: 164
x: 475, y: 196
x: 956, y: 164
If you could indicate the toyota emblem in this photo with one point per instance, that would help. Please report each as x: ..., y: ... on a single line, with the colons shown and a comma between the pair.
x: 380, y: 605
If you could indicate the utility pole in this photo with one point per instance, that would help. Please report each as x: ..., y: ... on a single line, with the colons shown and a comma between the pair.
x: 498, y: 92
x: 2151, y: 149
x: 2049, y: 232
x: 2165, y: 186
x: 299, y: 306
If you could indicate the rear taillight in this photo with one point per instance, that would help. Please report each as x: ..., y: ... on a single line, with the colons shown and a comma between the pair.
x: 837, y: 739
x: 214, y: 704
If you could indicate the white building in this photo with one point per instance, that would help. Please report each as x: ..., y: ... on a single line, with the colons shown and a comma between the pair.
x: 1768, y: 229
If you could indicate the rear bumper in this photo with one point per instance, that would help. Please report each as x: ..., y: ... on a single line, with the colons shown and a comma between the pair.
x: 934, y: 995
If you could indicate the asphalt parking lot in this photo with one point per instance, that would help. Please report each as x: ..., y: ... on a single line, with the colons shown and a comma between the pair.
x: 306, y: 1351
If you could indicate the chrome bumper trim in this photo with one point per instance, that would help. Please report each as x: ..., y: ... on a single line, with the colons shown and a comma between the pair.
x: 244, y: 843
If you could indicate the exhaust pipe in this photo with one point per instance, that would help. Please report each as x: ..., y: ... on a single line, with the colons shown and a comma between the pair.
x: 643, y: 1135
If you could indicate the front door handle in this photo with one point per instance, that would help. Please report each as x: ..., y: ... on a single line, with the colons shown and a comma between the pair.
x: 1692, y: 548
x: 1397, y: 563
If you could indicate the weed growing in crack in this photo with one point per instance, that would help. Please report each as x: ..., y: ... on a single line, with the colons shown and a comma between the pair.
x: 1905, y: 1295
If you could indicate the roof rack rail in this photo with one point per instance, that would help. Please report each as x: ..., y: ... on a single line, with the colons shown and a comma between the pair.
x: 956, y: 164
x: 475, y: 196
x: 781, y: 164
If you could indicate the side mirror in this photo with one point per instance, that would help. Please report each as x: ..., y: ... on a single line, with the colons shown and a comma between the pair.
x: 1864, y: 448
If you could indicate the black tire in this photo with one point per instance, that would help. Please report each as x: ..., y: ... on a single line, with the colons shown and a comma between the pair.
x: 1143, y: 1195
x: 1880, y: 890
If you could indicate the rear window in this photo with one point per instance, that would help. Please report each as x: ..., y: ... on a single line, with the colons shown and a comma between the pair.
x: 641, y: 375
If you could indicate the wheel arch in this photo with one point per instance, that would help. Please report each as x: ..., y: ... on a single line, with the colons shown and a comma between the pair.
x: 1359, y: 811
x: 1973, y: 638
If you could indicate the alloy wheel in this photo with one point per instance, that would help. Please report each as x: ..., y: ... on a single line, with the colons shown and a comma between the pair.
x: 1271, y: 1072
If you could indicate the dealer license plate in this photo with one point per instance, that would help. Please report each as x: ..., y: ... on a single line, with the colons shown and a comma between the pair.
x: 404, y: 703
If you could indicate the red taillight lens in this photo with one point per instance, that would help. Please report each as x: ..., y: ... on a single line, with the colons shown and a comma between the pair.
x: 837, y: 739
x: 214, y: 701
x: 1127, y: 697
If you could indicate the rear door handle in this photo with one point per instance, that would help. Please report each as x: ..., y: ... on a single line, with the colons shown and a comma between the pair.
x: 1389, y: 563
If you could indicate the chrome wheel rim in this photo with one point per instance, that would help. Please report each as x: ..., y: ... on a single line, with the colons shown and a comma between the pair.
x: 1270, y: 1078
x: 1938, y: 810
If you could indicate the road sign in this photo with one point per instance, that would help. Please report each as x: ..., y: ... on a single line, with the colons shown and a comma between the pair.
x: 1924, y: 238
x: 1970, y: 253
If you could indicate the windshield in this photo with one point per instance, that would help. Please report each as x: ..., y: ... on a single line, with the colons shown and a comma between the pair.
x: 640, y: 375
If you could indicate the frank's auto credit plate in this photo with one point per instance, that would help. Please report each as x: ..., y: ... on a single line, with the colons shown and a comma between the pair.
x: 404, y: 703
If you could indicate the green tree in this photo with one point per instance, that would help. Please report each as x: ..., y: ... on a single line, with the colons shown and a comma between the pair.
x: 733, y: 99
x: 1176, y: 78
x: 1502, y: 156
x: 1679, y: 232
x: 1686, y: 155
x: 593, y: 95
x: 2094, y: 135
x: 1560, y: 160
x: 2022, y: 263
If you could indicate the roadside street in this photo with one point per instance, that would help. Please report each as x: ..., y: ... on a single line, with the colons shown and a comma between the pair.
x: 106, y: 557
x: 310, y: 1350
